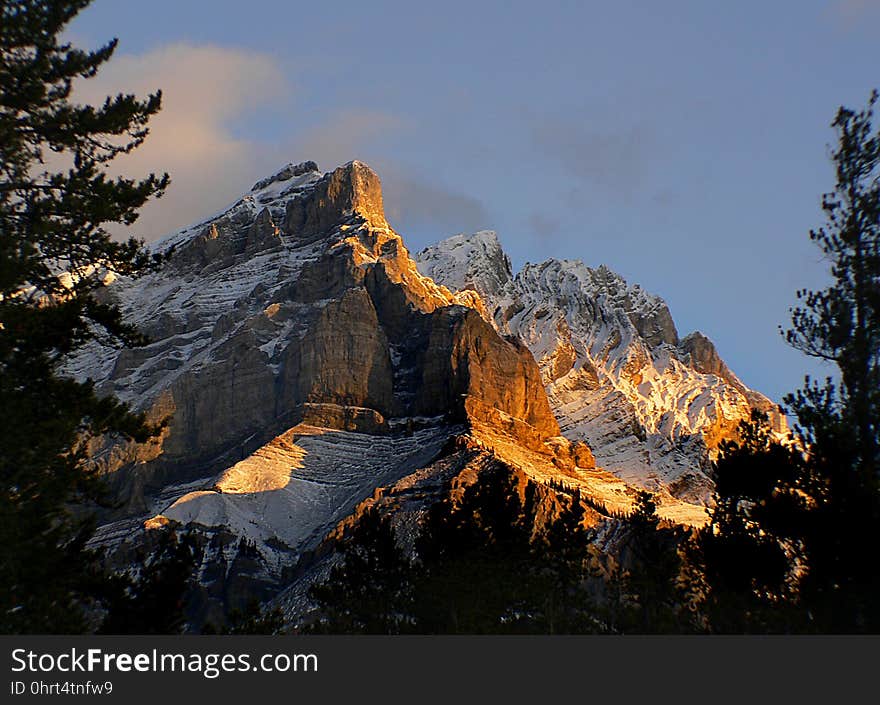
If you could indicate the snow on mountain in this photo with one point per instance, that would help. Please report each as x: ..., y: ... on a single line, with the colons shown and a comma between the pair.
x: 179, y: 307
x: 287, y: 495
x: 651, y: 406
x: 468, y: 261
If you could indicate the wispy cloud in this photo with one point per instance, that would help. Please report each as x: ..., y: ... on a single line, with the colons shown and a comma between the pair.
x: 345, y: 135
x: 617, y: 162
x: 543, y: 224
x: 205, y: 89
x: 849, y: 13
x: 414, y: 202
x: 210, y: 90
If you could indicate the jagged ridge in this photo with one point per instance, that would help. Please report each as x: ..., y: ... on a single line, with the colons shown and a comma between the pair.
x: 651, y: 405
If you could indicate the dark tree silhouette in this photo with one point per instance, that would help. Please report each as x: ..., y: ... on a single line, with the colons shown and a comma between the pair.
x: 748, y: 552
x: 501, y: 555
x: 564, y: 562
x: 790, y: 544
x: 55, y: 256
x: 839, y: 422
x: 368, y: 590
x: 653, y: 580
x: 150, y: 598
x: 477, y: 567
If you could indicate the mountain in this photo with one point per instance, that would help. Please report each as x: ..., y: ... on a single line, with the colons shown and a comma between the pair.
x: 308, y: 366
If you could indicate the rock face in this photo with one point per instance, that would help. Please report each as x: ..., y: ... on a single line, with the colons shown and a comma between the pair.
x: 324, y: 319
x: 650, y: 405
x: 353, y: 188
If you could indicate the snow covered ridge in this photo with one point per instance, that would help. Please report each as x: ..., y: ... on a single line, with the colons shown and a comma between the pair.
x: 651, y: 405
x: 272, y: 192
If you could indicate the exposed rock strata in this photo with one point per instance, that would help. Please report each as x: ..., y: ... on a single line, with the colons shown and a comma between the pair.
x: 337, y: 327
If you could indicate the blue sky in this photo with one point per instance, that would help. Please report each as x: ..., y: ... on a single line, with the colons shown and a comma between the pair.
x: 683, y: 144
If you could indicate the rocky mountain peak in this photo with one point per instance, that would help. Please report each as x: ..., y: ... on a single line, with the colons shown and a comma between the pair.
x: 289, y: 172
x: 299, y: 304
x: 352, y: 190
x: 575, y: 280
x: 699, y: 352
x: 702, y: 355
x: 468, y: 262
x: 298, y: 205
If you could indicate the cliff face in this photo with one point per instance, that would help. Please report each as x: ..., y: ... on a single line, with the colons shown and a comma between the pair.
x: 353, y: 188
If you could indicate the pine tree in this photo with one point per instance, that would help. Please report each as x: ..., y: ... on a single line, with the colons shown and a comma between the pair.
x: 652, y: 580
x: 562, y: 553
x: 253, y: 619
x: 476, y: 572
x: 56, y: 201
x: 369, y: 590
x: 841, y: 324
x: 839, y: 423
x: 745, y: 558
x: 151, y: 597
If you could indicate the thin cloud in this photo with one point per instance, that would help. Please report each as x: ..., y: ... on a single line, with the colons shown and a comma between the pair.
x: 616, y: 162
x: 205, y: 89
x: 851, y: 11
x: 348, y: 134
x: 413, y: 202
x: 543, y: 224
x: 848, y: 16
